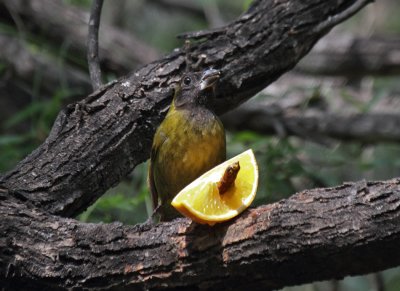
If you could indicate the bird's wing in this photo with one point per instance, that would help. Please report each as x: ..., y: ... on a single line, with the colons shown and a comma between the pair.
x: 159, y: 139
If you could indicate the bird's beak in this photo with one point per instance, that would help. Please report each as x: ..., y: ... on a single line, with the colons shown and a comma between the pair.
x: 209, y: 79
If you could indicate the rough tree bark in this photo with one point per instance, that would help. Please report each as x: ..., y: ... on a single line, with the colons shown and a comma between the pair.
x: 97, y: 141
x: 100, y: 139
x: 314, y: 235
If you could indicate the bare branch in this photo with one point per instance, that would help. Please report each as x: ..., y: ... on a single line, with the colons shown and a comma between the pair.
x: 350, y: 229
x: 25, y: 64
x: 93, y: 44
x: 211, y: 11
x: 351, y: 9
x: 314, y: 125
x: 348, y: 55
x: 378, y: 282
x: 99, y: 140
x: 119, y: 51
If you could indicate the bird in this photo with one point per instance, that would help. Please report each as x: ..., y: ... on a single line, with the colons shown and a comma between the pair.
x: 188, y: 142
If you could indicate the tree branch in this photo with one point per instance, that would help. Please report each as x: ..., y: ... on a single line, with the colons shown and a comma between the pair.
x: 348, y: 55
x: 120, y: 51
x: 93, y: 44
x: 315, y: 235
x: 24, y: 64
x: 99, y: 140
x: 315, y: 125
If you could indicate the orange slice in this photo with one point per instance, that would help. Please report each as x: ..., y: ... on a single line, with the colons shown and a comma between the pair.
x: 201, y: 200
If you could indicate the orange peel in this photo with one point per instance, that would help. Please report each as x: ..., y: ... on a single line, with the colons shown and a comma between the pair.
x: 201, y: 200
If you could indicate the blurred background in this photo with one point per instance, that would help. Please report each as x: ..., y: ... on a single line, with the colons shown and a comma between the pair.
x: 333, y: 118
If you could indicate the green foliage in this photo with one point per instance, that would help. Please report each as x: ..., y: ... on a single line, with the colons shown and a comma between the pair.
x: 392, y: 279
x: 40, y: 115
x: 246, y: 4
x: 13, y: 148
x: 129, y: 202
x: 282, y: 171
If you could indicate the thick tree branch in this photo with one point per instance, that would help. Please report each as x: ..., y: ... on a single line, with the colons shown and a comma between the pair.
x: 97, y: 141
x: 350, y: 229
x: 315, y: 235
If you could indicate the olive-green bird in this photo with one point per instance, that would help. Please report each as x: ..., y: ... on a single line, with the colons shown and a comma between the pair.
x: 189, y: 142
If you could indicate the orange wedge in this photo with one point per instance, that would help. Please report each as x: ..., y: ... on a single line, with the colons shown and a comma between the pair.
x: 201, y: 200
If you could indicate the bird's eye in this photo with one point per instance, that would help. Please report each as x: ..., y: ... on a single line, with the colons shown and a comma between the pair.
x: 187, y: 81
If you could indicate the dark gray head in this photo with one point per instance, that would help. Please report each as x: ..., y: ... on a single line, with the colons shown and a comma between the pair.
x: 196, y: 88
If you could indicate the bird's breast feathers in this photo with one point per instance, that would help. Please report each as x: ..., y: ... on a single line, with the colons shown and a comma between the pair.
x: 193, y: 143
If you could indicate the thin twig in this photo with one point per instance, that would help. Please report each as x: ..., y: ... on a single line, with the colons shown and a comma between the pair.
x: 18, y: 22
x: 213, y: 16
x: 378, y: 282
x: 338, y: 18
x: 93, y: 44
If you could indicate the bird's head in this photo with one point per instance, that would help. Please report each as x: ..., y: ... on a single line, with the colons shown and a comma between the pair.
x: 196, y: 88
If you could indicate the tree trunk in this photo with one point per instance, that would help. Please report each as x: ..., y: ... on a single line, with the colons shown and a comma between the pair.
x: 97, y: 141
